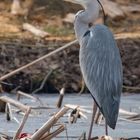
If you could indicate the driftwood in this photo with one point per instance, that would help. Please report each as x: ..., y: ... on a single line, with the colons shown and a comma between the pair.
x: 34, y: 30
x: 46, y: 127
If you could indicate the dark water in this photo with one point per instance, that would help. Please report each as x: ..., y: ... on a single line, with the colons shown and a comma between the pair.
x: 123, y: 129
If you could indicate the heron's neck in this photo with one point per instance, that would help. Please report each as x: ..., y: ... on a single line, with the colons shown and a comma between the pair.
x: 81, y: 24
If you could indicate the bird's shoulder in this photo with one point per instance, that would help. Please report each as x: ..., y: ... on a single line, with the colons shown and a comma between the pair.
x: 99, y: 34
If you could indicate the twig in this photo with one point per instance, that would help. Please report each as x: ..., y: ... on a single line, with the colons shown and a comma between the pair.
x: 37, y: 60
x: 19, y: 93
x: 43, y: 82
x: 22, y: 123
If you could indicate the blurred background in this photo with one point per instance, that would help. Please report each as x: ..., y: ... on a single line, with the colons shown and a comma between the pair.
x: 30, y: 29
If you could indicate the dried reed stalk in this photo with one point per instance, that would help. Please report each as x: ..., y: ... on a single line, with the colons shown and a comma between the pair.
x: 49, y: 136
x: 38, y: 134
x: 14, y: 103
x: 60, y: 100
x: 22, y: 123
x: 19, y: 93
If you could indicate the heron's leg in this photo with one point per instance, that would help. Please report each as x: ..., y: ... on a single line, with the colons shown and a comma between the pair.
x: 92, y: 120
x: 106, y: 128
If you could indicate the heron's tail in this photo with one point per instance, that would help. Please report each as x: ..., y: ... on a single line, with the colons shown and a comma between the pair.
x: 111, y: 114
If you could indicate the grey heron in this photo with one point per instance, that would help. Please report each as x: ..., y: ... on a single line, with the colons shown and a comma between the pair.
x: 100, y: 61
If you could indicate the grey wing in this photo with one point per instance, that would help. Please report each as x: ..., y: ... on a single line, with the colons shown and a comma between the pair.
x: 101, y: 67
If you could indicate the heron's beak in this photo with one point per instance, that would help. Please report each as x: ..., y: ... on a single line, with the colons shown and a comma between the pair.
x: 81, y: 2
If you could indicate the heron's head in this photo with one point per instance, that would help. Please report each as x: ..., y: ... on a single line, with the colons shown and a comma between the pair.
x: 87, y: 3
